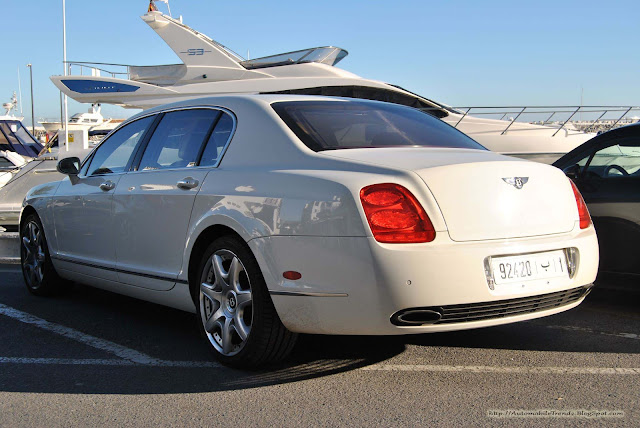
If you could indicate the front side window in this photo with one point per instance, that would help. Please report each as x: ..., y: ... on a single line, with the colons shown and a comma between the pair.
x: 331, y: 125
x: 177, y: 140
x: 114, y: 154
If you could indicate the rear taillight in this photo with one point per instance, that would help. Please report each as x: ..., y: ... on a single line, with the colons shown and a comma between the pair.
x: 585, y: 218
x: 395, y: 216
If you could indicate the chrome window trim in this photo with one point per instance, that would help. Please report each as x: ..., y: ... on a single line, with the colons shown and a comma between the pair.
x: 197, y: 167
x: 89, y: 157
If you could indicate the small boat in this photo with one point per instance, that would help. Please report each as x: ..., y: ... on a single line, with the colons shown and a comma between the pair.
x: 90, y: 120
x: 14, y: 137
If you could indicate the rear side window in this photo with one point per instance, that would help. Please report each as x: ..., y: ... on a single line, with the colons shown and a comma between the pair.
x: 217, y: 141
x: 178, y: 138
x: 331, y: 125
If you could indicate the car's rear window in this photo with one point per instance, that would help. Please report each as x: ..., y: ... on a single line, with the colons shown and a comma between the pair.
x: 331, y: 125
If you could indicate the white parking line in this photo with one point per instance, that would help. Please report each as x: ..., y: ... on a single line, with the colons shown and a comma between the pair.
x: 131, y: 357
x: 505, y: 370
x: 104, y: 345
x: 107, y: 362
x: 588, y: 330
x: 67, y: 361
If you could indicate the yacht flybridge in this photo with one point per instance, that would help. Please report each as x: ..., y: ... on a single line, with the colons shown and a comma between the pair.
x: 209, y: 68
x: 14, y: 137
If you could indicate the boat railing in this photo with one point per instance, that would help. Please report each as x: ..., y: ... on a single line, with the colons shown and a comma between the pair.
x: 75, y: 68
x: 578, y: 118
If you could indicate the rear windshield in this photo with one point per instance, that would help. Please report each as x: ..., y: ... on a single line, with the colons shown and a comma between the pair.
x: 331, y: 125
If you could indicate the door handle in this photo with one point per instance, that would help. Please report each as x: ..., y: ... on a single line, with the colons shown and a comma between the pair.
x: 107, y: 185
x: 187, y: 183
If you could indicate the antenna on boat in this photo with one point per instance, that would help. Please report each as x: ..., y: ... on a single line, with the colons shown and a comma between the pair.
x: 66, y: 72
x: 19, y: 91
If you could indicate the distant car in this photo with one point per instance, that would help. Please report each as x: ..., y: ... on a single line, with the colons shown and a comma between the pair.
x: 271, y: 215
x: 606, y: 169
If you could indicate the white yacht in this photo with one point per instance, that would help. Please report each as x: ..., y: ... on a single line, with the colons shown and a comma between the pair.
x: 209, y: 68
x: 14, y: 137
x: 91, y: 119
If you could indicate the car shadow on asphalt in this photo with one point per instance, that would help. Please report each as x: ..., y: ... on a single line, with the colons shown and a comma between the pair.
x: 170, y: 335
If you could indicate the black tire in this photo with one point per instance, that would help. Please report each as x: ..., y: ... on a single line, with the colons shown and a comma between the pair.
x: 38, y: 272
x: 267, y: 341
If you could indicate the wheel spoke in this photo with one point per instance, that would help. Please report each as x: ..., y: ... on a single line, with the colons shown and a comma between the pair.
x: 32, y: 275
x: 209, y: 326
x: 32, y: 233
x: 207, y: 290
x: 39, y: 275
x: 40, y: 256
x: 234, y: 274
x: 26, y: 245
x: 243, y: 298
x: 240, y: 327
x: 218, y: 270
x: 226, y: 336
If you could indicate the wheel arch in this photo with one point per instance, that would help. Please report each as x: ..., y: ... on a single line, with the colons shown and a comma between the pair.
x: 205, y: 237
x: 26, y: 212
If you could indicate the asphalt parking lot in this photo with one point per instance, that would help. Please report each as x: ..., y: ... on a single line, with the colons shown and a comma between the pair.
x: 96, y: 358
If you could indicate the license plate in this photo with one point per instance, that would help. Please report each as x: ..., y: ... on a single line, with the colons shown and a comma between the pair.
x: 529, y: 267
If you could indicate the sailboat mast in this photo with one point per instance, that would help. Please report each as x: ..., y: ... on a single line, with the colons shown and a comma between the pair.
x: 19, y: 91
x: 64, y: 63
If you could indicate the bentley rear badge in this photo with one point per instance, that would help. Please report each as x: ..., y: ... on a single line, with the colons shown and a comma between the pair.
x: 516, y: 182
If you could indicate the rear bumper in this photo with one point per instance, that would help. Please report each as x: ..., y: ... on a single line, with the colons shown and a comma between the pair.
x: 480, y: 311
x: 355, y: 285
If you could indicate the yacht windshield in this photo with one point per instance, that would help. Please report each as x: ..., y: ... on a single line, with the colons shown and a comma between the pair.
x: 15, y: 138
x: 325, y: 55
x: 331, y: 125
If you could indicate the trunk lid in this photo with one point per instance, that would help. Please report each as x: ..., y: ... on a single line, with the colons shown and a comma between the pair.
x: 483, y: 195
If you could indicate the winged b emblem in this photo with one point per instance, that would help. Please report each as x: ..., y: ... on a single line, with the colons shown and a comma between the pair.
x: 517, y: 182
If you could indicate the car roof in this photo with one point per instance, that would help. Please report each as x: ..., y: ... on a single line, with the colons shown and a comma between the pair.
x: 223, y: 100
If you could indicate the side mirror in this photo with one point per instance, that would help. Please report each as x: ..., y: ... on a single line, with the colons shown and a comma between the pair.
x: 69, y: 166
x: 572, y: 171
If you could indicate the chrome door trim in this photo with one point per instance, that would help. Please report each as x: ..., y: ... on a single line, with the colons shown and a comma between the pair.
x: 112, y: 269
x: 306, y: 294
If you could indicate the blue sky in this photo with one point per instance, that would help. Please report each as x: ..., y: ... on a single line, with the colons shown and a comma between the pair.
x: 457, y: 52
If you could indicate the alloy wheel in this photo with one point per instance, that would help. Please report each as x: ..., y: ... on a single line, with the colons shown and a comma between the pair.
x: 226, y: 302
x: 33, y: 255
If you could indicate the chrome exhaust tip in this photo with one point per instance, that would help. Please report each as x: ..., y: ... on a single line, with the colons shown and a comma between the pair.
x: 416, y: 316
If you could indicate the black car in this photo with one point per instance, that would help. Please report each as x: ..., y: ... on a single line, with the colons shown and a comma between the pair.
x: 606, y: 170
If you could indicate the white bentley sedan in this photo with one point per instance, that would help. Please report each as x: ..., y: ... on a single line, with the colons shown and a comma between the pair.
x: 275, y: 215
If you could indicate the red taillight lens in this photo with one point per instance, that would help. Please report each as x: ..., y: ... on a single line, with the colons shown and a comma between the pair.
x: 585, y: 218
x: 395, y: 216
